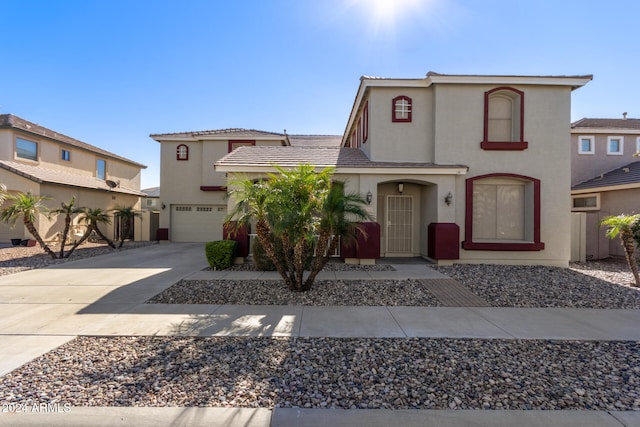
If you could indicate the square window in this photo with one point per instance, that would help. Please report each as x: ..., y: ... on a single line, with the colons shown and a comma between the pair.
x: 26, y: 149
x: 586, y: 145
x: 614, y: 145
x: 101, y: 169
x: 65, y: 155
x: 638, y: 145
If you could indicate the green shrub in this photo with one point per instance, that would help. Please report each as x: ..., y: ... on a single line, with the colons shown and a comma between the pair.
x: 220, y: 254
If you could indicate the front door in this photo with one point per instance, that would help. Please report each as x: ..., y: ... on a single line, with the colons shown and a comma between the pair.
x: 399, y: 225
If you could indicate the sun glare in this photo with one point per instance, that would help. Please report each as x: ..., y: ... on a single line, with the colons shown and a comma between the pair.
x: 386, y: 14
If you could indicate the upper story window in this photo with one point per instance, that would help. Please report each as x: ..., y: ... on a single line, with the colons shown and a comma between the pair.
x: 101, y: 169
x: 26, y: 149
x: 65, y: 155
x: 502, y: 213
x: 586, y: 145
x: 615, y: 145
x: 182, y: 152
x: 401, y: 109
x: 504, y: 120
x: 240, y: 143
x: 638, y: 145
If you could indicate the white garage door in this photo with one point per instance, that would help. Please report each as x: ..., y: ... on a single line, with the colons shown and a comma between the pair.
x: 197, y: 223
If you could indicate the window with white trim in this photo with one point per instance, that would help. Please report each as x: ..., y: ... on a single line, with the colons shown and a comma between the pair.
x: 586, y: 145
x: 615, y: 145
x: 26, y: 149
x: 638, y: 145
x: 65, y: 155
x: 585, y: 202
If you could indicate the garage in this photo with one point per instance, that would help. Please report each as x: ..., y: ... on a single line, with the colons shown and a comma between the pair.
x: 197, y: 223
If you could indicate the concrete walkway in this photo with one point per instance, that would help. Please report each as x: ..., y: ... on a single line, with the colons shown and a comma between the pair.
x: 42, y: 309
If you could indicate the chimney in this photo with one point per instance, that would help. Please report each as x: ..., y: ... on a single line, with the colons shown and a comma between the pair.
x: 624, y: 116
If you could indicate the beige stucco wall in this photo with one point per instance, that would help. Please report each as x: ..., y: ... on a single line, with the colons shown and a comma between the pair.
x: 83, y: 162
x: 402, y: 142
x: 546, y: 128
x: 588, y: 166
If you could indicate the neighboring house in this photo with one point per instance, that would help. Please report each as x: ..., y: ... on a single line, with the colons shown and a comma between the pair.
x: 457, y: 168
x: 151, y: 199
x: 44, y: 162
x: 605, y: 177
x: 193, y: 201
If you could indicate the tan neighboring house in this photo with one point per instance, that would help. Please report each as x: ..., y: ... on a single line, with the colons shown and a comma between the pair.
x: 605, y: 177
x: 37, y: 159
x: 193, y: 202
x: 457, y: 168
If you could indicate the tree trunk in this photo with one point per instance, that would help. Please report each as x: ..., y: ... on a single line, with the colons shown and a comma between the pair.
x: 84, y: 237
x: 63, y: 240
x: 103, y: 237
x: 32, y: 229
x: 324, y: 249
x: 628, y: 243
x: 263, y: 231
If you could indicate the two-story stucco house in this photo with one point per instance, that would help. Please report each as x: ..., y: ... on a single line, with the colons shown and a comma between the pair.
x: 44, y: 162
x: 456, y: 168
x: 605, y: 177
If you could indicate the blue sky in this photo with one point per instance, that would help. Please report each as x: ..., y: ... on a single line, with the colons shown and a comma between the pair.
x: 112, y: 72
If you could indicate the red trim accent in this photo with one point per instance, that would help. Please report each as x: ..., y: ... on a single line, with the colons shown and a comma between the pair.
x: 469, y: 244
x: 503, y: 145
x: 186, y: 156
x: 365, y: 122
x: 513, y: 146
x: 359, y: 138
x: 239, y: 141
x: 396, y: 119
x: 213, y: 188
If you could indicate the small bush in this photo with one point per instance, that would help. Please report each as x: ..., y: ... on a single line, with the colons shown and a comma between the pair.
x: 220, y: 254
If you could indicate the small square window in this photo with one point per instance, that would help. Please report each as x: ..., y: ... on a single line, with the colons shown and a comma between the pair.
x: 638, y: 145
x: 586, y: 145
x: 65, y: 155
x: 26, y: 149
x: 615, y: 145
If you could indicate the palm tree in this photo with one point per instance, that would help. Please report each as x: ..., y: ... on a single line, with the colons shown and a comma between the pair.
x: 126, y: 215
x: 92, y: 218
x: 3, y: 193
x: 296, y: 211
x: 29, y: 207
x: 622, y: 225
x: 68, y: 210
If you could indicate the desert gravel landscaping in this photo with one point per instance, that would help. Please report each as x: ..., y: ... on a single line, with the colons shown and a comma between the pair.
x: 363, y: 373
x: 353, y: 373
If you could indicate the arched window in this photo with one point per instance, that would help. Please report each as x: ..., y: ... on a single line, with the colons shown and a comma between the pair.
x: 401, y: 109
x: 502, y: 213
x: 182, y: 152
x: 504, y: 119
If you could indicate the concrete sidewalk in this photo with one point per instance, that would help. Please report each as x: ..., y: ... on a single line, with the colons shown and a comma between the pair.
x: 42, y: 309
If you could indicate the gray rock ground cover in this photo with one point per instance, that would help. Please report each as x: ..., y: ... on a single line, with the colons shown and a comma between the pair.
x: 274, y: 292
x: 601, y: 285
x: 332, y: 373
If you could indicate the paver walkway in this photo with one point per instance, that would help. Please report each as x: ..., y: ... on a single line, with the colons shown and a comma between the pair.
x: 452, y: 294
x: 42, y: 309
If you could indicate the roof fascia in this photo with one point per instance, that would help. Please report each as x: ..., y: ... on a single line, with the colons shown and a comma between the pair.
x: 194, y: 138
x: 606, y: 188
x: 610, y: 131
x: 574, y: 81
